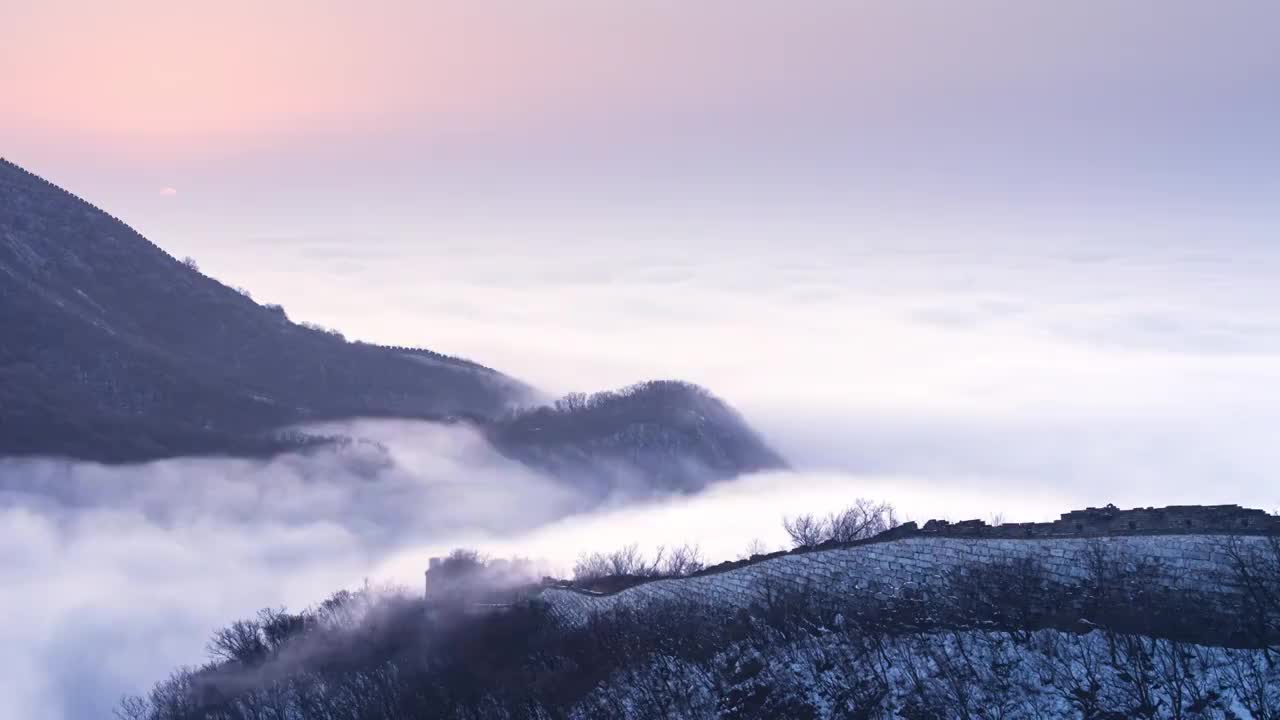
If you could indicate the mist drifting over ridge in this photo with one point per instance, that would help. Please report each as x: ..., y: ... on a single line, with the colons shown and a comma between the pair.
x: 936, y: 376
x: 122, y: 573
x: 993, y: 258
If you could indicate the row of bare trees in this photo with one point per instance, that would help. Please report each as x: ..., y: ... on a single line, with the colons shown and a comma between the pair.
x: 861, y: 520
x: 1002, y: 641
x: 1255, y: 570
x: 630, y: 562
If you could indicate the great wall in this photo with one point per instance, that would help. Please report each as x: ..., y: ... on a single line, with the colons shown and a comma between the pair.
x: 1185, y: 552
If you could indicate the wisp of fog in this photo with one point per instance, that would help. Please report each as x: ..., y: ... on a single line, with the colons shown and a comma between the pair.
x: 1003, y: 379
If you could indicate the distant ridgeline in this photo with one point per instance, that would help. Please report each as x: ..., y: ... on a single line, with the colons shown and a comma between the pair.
x: 116, y: 351
x: 1109, y: 520
x: 1194, y: 570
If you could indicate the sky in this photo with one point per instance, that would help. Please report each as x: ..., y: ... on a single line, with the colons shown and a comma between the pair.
x: 910, y: 226
x: 980, y: 258
x: 259, y: 109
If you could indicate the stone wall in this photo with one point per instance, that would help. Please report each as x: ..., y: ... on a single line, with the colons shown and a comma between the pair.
x: 56, y: 188
x: 1111, y: 520
x: 922, y: 562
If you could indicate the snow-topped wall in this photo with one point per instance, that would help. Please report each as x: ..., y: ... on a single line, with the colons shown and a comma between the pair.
x: 1179, y: 554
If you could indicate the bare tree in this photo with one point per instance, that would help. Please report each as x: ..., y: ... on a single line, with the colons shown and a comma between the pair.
x: 625, y: 561
x: 1255, y: 570
x: 805, y: 530
x: 1255, y: 682
x: 629, y: 561
x: 241, y: 640
x: 133, y: 707
x: 278, y: 626
x: 681, y: 561
x: 863, y: 519
x: 755, y: 547
x: 461, y: 561
x: 572, y: 402
x: 317, y: 327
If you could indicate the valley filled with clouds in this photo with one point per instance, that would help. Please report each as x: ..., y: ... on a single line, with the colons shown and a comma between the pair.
x: 953, y: 381
x: 994, y: 259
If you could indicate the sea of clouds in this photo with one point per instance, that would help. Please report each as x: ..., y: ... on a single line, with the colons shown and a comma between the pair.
x: 985, y: 375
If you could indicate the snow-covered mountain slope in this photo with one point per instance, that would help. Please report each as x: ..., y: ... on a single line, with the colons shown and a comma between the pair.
x: 828, y: 673
x: 898, y: 569
x: 943, y: 622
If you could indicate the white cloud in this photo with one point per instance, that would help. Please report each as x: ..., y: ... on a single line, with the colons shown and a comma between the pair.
x: 951, y: 371
x: 115, y: 575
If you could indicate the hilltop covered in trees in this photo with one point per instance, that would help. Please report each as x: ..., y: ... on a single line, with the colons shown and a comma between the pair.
x: 116, y: 351
x: 1120, y: 646
x: 667, y: 434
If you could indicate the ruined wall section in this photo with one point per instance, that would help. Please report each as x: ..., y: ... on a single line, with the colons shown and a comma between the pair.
x: 1199, y: 564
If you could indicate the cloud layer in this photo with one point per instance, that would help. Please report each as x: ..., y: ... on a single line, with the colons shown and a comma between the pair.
x: 115, y: 575
x: 1098, y: 353
x: 1015, y: 259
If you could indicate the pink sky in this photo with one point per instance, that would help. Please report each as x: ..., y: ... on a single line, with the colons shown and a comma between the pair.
x: 259, y: 114
x: 143, y: 76
x: 152, y: 74
x: 1017, y: 252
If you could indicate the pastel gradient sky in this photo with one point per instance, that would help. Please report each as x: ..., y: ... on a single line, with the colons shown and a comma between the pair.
x: 940, y: 214
x: 397, y: 102
x: 1007, y: 256
x: 977, y: 204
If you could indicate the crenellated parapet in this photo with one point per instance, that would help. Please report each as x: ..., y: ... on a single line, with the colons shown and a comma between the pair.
x: 1191, y: 566
x: 50, y: 187
x: 1108, y: 521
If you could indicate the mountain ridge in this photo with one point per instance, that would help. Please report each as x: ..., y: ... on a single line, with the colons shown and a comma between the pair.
x: 1109, y: 522
x: 117, y: 351
x: 1111, y: 622
x: 128, y: 353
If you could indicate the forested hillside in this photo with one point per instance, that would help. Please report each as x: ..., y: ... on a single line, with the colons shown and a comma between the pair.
x: 966, y: 644
x: 114, y: 350
x: 662, y: 434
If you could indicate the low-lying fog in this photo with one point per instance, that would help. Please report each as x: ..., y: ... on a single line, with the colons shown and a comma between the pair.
x: 981, y: 378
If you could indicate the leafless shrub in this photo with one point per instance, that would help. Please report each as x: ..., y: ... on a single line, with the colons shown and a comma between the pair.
x: 680, y: 561
x: 805, y: 530
x: 133, y: 707
x: 240, y: 641
x: 863, y: 519
x: 573, y: 402
x: 1254, y: 680
x: 755, y: 547
x: 317, y: 327
x: 629, y: 561
x: 1254, y: 568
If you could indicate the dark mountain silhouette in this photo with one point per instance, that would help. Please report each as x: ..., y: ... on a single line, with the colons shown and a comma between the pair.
x: 113, y: 350
x: 665, y: 434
